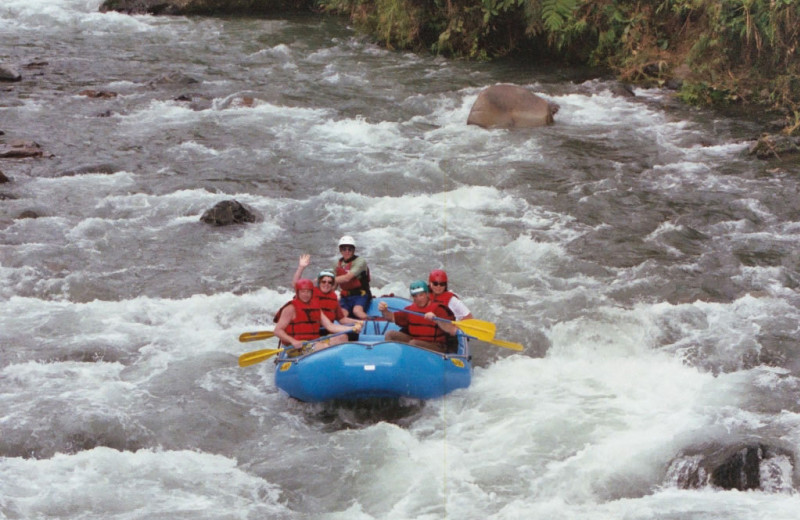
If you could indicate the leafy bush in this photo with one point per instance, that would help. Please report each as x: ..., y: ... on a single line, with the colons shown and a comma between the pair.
x: 722, y: 51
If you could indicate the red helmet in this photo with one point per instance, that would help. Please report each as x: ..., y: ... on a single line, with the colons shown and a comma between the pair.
x: 304, y: 283
x: 437, y: 275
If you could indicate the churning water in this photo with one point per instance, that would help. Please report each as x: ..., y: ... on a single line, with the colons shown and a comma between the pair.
x: 647, y: 263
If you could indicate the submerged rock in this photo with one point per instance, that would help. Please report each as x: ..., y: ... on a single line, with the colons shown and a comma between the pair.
x: 173, y: 78
x: 9, y: 73
x: 749, y: 466
x: 21, y: 149
x: 770, y: 146
x: 97, y: 94
x: 28, y: 213
x: 104, y: 168
x: 228, y: 212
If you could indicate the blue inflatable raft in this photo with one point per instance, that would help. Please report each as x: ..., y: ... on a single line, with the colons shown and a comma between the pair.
x: 373, y: 367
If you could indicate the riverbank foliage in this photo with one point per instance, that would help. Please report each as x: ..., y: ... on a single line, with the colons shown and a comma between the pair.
x: 716, y: 52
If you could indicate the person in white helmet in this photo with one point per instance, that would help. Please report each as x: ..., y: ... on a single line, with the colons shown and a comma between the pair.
x: 352, y: 277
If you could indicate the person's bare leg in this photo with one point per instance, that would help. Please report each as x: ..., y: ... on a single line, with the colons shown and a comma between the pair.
x: 428, y: 345
x: 321, y: 345
x: 396, y: 335
x: 358, y: 310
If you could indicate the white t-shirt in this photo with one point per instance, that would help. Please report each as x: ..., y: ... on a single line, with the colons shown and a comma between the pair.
x: 459, y: 309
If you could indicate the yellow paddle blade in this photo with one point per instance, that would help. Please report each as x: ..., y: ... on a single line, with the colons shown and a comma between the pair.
x: 479, y: 329
x: 506, y: 344
x: 251, y: 358
x: 255, y: 336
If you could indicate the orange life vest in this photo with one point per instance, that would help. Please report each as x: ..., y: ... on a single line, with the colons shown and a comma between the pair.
x: 421, y: 328
x: 329, y: 304
x: 443, y: 298
x: 306, y: 322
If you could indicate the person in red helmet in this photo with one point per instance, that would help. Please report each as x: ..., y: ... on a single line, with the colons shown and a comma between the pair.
x: 437, y: 281
x: 301, y: 319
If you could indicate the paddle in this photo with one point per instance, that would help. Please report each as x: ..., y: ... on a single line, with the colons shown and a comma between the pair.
x: 251, y: 358
x: 504, y: 344
x: 255, y: 336
x: 478, y: 329
x: 257, y: 356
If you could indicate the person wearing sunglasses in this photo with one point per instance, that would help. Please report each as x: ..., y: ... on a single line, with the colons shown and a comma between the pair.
x: 325, y: 294
x: 437, y: 280
x: 352, y: 277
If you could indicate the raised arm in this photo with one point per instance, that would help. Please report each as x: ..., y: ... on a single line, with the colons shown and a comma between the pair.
x: 304, y: 261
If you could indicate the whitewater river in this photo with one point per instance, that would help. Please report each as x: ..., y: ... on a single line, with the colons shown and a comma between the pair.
x: 647, y: 263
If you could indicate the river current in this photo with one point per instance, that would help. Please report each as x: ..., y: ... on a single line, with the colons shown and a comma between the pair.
x: 649, y: 265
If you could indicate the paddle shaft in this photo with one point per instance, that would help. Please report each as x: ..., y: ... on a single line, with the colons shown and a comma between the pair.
x: 251, y: 358
x: 256, y: 336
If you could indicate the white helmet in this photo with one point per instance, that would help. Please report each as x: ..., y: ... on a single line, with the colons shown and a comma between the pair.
x: 347, y: 240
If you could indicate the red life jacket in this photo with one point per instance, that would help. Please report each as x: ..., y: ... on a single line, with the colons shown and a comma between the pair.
x: 329, y: 304
x: 419, y: 327
x: 444, y: 298
x: 357, y: 284
x: 306, y: 322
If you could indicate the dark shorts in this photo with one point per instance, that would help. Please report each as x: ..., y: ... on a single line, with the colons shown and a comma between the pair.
x: 351, y: 336
x: 348, y: 302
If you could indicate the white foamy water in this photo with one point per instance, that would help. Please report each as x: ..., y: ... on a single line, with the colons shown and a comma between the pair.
x: 647, y: 264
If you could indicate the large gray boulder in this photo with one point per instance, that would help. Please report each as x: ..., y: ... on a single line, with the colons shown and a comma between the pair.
x: 510, y: 106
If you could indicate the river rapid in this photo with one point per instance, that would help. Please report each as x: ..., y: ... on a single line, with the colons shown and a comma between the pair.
x: 647, y: 263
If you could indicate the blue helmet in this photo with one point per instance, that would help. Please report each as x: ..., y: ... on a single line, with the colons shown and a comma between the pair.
x: 418, y: 286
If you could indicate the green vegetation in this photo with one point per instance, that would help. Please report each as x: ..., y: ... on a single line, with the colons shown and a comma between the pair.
x: 718, y: 51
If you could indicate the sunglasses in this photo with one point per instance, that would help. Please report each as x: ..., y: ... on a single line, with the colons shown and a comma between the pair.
x: 326, y: 282
x: 347, y: 248
x: 439, y: 284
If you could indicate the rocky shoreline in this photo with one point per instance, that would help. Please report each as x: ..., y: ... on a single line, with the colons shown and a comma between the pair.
x: 770, y: 145
x: 206, y: 7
